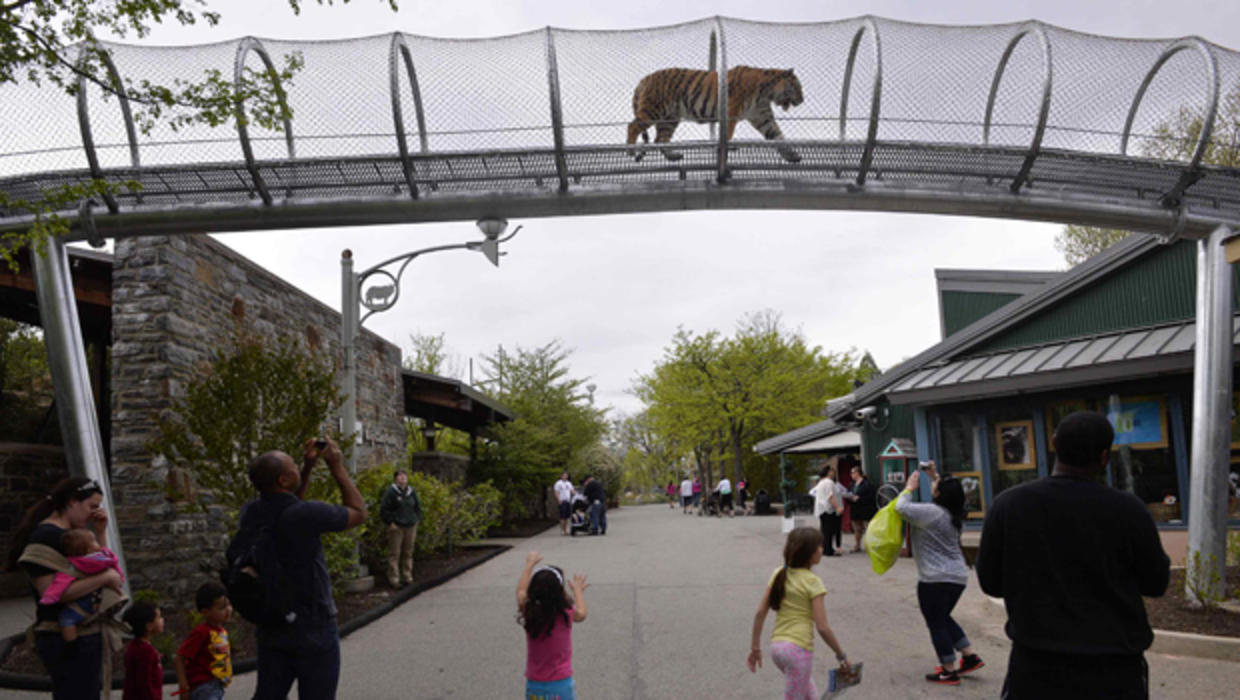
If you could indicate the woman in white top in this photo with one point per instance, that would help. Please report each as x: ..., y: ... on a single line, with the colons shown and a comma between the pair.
x: 725, y: 497
x: 827, y: 507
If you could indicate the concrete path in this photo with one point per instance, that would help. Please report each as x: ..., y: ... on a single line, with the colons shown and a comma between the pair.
x: 671, y: 599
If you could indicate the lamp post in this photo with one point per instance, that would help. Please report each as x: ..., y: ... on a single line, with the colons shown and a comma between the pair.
x: 380, y: 297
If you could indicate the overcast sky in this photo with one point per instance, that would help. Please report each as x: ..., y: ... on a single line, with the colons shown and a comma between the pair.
x: 614, y: 289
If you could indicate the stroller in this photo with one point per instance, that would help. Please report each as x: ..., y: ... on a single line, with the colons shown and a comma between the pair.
x: 578, y: 517
x: 712, y: 507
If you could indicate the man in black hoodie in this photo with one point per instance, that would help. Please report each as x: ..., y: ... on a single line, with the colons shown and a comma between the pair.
x: 597, y: 498
x: 1071, y: 558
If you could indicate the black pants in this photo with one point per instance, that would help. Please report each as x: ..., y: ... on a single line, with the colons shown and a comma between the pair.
x: 830, y: 524
x: 937, y: 600
x: 307, y: 652
x: 1037, y: 674
x: 76, y: 676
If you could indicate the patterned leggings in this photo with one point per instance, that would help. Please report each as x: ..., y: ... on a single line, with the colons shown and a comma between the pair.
x: 797, y: 666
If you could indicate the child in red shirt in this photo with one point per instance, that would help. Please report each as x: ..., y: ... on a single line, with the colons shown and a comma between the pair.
x: 204, y: 661
x: 144, y: 672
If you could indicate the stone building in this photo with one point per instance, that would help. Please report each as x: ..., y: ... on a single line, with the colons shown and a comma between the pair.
x: 175, y: 302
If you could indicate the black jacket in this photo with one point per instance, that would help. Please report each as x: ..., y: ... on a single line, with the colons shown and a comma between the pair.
x: 864, y: 507
x: 1071, y: 559
x: 400, y: 507
x: 594, y: 491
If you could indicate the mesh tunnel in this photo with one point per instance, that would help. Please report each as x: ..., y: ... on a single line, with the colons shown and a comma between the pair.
x: 1023, y: 108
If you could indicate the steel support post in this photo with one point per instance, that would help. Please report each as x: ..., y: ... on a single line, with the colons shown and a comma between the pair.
x: 1211, y: 447
x: 66, y: 356
x: 348, y: 334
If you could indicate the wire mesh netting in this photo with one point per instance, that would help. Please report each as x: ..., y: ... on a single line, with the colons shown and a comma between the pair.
x: 988, y: 108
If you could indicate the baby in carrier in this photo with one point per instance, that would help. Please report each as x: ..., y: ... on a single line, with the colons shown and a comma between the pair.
x: 84, y: 553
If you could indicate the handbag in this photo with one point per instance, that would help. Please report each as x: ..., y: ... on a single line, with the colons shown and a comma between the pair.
x: 884, y: 537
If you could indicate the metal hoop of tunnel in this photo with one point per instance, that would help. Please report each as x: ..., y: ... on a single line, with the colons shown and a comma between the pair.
x: 1035, y: 144
x: 1192, y: 173
x: 876, y: 93
x: 247, y: 45
x: 117, y: 87
x: 398, y: 52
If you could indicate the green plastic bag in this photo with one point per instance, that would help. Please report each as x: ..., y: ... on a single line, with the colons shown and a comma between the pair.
x: 884, y: 538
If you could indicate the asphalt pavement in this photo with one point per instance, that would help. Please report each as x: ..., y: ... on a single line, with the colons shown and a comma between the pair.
x: 671, y: 600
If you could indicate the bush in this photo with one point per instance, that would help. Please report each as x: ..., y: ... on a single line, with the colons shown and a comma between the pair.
x: 449, y: 512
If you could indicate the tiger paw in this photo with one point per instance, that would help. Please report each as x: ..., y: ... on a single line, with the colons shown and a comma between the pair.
x: 790, y: 155
x: 673, y: 155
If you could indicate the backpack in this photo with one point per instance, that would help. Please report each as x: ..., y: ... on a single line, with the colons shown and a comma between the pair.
x: 255, y: 579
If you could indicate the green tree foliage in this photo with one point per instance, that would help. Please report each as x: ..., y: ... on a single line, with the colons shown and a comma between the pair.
x: 1080, y: 243
x: 1173, y: 139
x: 258, y: 395
x: 55, y: 42
x: 714, y: 398
x: 25, y: 381
x: 430, y: 356
x: 555, y: 427
x: 649, y: 459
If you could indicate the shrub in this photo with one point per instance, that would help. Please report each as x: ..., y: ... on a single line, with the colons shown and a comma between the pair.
x: 449, y: 512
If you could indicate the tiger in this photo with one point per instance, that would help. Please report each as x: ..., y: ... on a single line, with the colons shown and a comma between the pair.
x: 665, y: 97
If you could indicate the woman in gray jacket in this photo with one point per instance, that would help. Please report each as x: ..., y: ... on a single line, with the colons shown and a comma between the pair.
x: 941, y: 569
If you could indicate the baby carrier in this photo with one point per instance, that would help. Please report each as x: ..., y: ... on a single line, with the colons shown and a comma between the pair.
x: 101, y: 621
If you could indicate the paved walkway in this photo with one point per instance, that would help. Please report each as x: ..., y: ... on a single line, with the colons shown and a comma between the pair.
x: 671, y: 599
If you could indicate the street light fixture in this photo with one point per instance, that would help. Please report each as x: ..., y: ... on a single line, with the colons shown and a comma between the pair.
x: 382, y: 295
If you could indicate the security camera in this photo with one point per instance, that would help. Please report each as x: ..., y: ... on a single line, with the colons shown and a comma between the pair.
x: 865, y: 413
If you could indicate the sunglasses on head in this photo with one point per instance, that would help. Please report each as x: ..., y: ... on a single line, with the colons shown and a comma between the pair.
x: 88, y: 489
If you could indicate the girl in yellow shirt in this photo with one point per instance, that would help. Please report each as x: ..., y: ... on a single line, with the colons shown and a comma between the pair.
x: 795, y: 593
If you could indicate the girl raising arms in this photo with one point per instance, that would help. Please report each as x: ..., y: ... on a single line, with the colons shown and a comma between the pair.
x: 547, y: 612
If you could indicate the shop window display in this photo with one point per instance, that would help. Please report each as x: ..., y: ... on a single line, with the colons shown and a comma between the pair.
x: 960, y: 455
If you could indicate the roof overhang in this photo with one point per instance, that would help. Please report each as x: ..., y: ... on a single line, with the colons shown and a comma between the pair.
x: 450, y: 402
x: 1133, y: 354
x: 803, y: 439
x: 847, y: 440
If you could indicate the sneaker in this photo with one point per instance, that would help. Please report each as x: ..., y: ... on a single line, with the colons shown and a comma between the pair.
x: 943, y: 677
x: 969, y: 664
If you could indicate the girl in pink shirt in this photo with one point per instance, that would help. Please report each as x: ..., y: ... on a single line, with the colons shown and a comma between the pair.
x: 547, y: 612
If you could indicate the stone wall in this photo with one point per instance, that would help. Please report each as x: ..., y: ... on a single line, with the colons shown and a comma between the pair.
x: 176, y: 301
x: 27, y: 473
x: 441, y: 465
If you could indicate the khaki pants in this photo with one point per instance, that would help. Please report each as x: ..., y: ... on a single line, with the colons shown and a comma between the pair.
x: 400, y: 549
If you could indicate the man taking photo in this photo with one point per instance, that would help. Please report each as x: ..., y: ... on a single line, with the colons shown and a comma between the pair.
x: 304, y: 647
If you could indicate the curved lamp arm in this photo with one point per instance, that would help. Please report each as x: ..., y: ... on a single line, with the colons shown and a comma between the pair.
x: 488, y: 246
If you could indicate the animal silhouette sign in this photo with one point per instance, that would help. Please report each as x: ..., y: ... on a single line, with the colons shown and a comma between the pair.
x: 380, y: 297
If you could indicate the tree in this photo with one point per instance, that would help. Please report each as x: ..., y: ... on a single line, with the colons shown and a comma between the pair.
x: 555, y: 427
x: 1173, y: 139
x: 716, y: 397
x: 648, y: 457
x: 1080, y: 243
x: 430, y: 356
x: 25, y: 383
x: 55, y: 42
x: 258, y: 395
